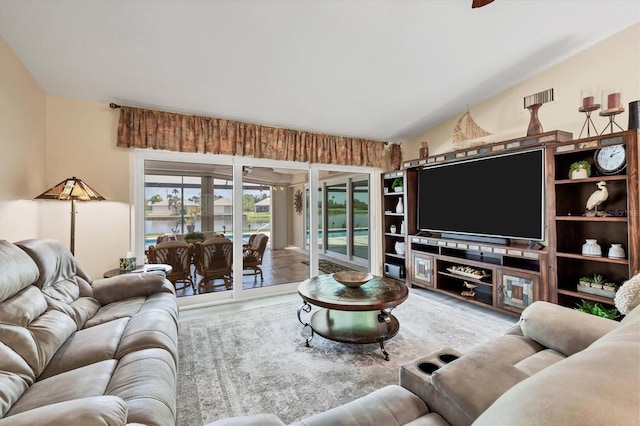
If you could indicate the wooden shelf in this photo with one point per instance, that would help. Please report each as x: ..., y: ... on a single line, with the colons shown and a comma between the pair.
x: 603, y: 259
x: 586, y: 296
x: 593, y: 180
x: 592, y: 218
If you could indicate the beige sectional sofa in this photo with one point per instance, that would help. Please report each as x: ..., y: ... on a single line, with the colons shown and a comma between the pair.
x: 556, y: 366
x: 79, y: 352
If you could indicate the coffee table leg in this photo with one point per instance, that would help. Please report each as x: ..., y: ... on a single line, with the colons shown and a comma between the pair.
x: 384, y: 316
x: 306, y: 308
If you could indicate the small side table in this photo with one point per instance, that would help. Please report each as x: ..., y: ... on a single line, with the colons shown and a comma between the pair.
x: 144, y: 268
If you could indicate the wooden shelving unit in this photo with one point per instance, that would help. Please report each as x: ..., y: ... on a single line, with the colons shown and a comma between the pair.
x: 404, y: 222
x: 568, y: 228
x: 550, y: 274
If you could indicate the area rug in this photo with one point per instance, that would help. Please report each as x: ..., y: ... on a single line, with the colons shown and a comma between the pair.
x: 329, y: 267
x: 256, y: 361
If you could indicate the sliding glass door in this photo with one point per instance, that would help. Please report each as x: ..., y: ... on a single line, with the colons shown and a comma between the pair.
x: 237, y: 201
x: 360, y: 218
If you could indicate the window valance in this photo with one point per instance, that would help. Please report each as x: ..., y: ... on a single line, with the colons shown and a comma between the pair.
x: 144, y: 128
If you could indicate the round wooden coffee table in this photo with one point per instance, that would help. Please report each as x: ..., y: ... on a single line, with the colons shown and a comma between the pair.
x: 352, y: 315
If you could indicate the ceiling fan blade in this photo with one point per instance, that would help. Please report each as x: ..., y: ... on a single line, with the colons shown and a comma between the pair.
x: 480, y: 3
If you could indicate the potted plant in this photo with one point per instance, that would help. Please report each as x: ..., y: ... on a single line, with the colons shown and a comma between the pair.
x: 596, y: 309
x: 397, y: 185
x: 609, y: 287
x: 597, y: 281
x: 585, y: 281
x: 580, y: 170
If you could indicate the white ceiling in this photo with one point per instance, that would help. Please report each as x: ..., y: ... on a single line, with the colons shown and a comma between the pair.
x: 385, y: 70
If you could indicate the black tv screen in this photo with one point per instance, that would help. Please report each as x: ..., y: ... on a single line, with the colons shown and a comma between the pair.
x: 496, y: 196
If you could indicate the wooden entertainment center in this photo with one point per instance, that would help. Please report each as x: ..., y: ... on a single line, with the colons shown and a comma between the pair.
x: 510, y: 277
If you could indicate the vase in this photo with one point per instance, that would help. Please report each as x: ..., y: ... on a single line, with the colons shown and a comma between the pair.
x: 400, y: 206
x: 535, y: 127
x: 591, y: 248
x: 424, y: 150
x: 399, y: 247
x: 392, y: 229
x: 616, y: 251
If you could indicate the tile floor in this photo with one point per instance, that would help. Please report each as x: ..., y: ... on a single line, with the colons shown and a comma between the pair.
x: 278, y: 267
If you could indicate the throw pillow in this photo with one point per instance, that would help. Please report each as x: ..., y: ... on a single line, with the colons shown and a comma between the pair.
x: 628, y: 295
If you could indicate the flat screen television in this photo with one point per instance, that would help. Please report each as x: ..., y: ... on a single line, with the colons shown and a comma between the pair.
x: 494, y: 198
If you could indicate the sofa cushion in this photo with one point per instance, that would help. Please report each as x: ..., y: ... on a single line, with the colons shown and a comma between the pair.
x: 99, y: 410
x: 38, y: 342
x: 91, y: 380
x: 17, y: 270
x: 121, y: 309
x: 86, y: 347
x: 539, y: 361
x: 146, y: 381
x: 597, y: 386
x: 15, y: 377
x: 129, y: 307
x: 150, y: 329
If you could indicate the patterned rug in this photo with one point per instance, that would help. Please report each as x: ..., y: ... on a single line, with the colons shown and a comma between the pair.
x: 329, y: 267
x: 256, y: 361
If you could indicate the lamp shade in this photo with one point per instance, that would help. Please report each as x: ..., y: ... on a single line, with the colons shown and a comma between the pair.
x: 71, y: 189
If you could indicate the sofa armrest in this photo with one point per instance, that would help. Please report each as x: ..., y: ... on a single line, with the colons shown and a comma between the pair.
x: 120, y: 287
x: 563, y: 329
x: 107, y: 410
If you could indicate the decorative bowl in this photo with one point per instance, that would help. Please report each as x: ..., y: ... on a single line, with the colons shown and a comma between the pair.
x: 352, y: 279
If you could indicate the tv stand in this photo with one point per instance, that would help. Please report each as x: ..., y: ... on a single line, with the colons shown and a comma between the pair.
x: 477, y: 238
x: 502, y: 277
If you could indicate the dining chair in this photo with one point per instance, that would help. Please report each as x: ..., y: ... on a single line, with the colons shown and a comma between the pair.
x: 214, y: 261
x: 179, y: 255
x: 252, y: 256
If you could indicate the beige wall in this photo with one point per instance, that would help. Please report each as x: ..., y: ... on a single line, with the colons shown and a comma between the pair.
x: 22, y: 147
x: 81, y: 139
x: 612, y: 62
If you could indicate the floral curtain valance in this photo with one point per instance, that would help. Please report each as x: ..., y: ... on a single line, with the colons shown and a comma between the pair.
x: 144, y: 128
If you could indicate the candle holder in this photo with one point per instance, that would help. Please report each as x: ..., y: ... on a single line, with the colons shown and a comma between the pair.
x: 587, y: 106
x: 612, y: 99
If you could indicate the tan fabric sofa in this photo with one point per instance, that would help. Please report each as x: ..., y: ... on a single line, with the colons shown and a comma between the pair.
x: 557, y: 366
x: 77, y: 352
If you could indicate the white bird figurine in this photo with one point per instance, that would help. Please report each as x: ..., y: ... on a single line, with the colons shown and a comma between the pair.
x: 598, y: 197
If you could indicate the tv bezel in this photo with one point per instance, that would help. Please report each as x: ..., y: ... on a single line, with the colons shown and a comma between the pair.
x: 486, y: 236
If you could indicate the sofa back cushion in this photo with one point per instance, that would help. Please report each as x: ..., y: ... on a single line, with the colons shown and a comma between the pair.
x: 17, y: 270
x: 30, y: 334
x: 64, y: 285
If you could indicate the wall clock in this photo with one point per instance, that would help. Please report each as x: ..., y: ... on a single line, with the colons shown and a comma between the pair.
x: 610, y: 160
x: 297, y: 202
